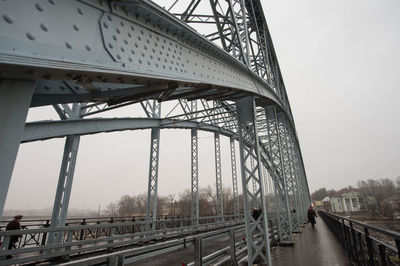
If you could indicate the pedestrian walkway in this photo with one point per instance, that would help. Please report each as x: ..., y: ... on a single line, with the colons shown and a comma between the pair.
x: 313, y: 247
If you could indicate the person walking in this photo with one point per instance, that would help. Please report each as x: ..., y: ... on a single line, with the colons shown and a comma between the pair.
x: 311, y: 216
x: 14, y: 225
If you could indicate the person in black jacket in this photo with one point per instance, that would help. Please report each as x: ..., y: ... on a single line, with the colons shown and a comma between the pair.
x: 14, y: 225
x: 311, y: 216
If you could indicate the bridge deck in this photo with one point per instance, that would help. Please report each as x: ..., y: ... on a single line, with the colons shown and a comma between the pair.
x: 313, y: 247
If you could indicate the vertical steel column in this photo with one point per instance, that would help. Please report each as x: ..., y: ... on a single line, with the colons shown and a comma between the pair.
x: 286, y: 166
x: 195, y: 178
x: 249, y: 149
x: 284, y: 216
x: 236, y: 209
x: 15, y: 98
x: 67, y: 170
x: 299, y: 181
x: 254, y: 181
x: 191, y: 114
x: 153, y: 109
x: 266, y: 187
x: 302, y: 175
x: 297, y: 210
x: 218, y: 177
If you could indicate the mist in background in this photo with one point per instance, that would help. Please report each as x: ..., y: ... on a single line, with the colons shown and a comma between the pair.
x: 340, y: 63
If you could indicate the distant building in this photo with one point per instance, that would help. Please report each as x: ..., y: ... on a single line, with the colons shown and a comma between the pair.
x: 318, y: 203
x: 351, y: 201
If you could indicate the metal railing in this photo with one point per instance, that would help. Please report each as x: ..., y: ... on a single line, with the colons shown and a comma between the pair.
x: 365, y: 244
x: 231, y: 254
x: 82, y: 239
x: 40, y: 238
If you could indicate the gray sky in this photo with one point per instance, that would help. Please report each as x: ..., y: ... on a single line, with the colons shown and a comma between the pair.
x: 340, y: 62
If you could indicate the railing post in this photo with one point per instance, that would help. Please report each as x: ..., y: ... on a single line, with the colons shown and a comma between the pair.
x: 354, y: 246
x: 6, y: 242
x: 112, y: 261
x: 70, y: 233
x: 361, y: 253
x: 382, y: 253
x: 232, y: 242
x: 44, y: 237
x: 371, y: 258
x: 133, y: 226
x: 82, y: 233
x: 198, y: 251
x: 345, y: 238
x: 112, y: 230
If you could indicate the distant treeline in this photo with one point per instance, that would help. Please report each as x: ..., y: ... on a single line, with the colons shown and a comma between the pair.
x: 173, y: 205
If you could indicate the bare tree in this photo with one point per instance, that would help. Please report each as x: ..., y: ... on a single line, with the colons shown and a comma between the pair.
x: 319, y: 194
x: 112, y: 209
x: 126, y: 206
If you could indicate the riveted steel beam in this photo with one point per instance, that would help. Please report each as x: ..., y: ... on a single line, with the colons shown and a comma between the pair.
x: 126, y: 42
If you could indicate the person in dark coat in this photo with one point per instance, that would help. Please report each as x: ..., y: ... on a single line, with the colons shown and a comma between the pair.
x: 311, y: 216
x: 14, y: 225
x: 256, y: 213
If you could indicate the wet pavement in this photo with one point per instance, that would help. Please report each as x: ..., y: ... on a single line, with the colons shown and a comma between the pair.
x: 313, y: 247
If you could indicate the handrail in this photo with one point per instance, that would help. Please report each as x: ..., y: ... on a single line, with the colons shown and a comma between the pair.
x: 105, y: 236
x: 362, y: 242
x: 232, y: 253
x: 387, y: 232
x: 114, y: 239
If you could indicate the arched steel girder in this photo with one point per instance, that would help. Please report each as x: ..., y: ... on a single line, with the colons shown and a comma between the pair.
x: 139, y: 51
x: 43, y: 130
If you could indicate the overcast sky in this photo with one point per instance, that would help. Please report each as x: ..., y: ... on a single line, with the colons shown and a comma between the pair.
x: 340, y: 62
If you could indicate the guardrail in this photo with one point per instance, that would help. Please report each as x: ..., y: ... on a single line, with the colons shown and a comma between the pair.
x: 232, y: 254
x: 45, y: 222
x: 365, y: 244
x: 91, y: 238
x: 40, y: 238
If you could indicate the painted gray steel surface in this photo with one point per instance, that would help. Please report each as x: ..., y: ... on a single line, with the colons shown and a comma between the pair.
x: 110, y: 54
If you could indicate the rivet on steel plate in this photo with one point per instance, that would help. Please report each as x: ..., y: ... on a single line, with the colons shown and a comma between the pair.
x: 30, y: 36
x: 69, y: 46
x: 44, y: 27
x: 8, y: 19
x: 39, y: 7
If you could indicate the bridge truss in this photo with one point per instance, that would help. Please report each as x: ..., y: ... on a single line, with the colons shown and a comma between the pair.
x: 88, y: 57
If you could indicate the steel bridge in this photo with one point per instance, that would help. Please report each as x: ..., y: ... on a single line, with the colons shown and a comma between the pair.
x: 88, y: 57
